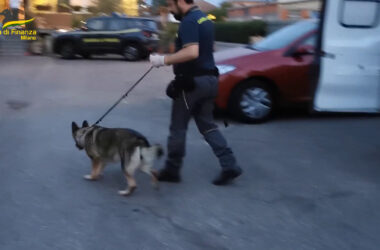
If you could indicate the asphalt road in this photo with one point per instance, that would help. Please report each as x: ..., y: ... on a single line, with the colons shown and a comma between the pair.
x: 310, y: 182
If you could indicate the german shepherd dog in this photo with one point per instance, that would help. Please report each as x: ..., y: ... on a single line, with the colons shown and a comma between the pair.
x: 104, y: 145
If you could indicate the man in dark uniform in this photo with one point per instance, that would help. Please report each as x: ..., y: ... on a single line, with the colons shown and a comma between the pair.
x: 193, y: 92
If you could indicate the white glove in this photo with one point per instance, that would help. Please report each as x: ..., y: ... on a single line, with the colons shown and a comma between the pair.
x: 157, y: 60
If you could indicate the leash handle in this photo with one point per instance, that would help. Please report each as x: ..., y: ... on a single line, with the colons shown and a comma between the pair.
x: 122, y: 97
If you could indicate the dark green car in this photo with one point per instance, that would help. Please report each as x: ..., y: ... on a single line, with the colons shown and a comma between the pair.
x: 133, y: 38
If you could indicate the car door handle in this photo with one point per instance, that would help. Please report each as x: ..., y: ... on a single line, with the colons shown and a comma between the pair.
x: 326, y: 54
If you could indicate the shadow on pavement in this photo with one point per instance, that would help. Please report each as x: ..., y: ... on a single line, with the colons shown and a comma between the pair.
x: 299, y: 113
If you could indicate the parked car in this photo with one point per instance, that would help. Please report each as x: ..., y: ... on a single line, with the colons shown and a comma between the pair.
x: 134, y: 38
x: 257, y: 79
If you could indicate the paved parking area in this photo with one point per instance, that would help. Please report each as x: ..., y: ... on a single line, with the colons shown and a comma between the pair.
x: 310, y: 182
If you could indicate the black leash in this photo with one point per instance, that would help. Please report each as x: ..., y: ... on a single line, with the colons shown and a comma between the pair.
x: 122, y: 97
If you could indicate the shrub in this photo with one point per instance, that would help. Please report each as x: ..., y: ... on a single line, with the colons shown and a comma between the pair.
x: 168, y: 36
x: 239, y: 32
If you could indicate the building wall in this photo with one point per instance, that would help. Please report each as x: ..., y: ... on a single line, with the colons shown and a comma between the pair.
x: 263, y: 10
x: 283, y: 10
x: 3, y: 5
x: 314, y: 5
x: 130, y: 7
x: 236, y: 4
x: 52, y: 3
x: 236, y: 13
x: 268, y: 11
x: 297, y: 9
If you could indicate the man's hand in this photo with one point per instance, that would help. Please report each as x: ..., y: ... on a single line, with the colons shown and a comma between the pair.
x: 157, y: 60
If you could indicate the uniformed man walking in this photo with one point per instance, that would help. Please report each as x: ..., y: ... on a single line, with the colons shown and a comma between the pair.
x: 193, y: 92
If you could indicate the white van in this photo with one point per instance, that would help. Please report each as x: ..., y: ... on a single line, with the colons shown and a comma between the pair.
x: 349, y: 62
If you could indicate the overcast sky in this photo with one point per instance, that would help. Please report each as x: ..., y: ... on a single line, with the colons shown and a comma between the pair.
x: 216, y: 2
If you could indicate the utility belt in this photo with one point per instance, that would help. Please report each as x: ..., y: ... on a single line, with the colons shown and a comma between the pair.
x: 207, y: 72
x: 185, y: 81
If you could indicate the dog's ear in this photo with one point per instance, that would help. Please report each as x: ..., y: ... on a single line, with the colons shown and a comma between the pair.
x: 74, y: 127
x: 85, y: 124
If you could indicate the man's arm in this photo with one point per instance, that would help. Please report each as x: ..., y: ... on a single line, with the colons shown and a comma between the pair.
x: 187, y: 53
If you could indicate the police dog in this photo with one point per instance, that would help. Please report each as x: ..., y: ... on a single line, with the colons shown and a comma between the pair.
x: 127, y: 146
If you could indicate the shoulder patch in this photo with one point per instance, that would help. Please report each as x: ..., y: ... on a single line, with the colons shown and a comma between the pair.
x: 203, y: 19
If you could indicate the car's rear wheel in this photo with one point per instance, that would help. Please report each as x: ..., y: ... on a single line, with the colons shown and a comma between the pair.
x: 145, y: 56
x: 86, y: 55
x: 131, y: 52
x: 67, y: 50
x: 252, y: 102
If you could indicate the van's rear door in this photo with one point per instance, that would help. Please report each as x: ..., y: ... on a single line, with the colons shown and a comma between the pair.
x: 349, y: 78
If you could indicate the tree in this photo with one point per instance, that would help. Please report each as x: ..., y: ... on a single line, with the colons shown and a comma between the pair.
x: 67, y: 2
x: 156, y: 4
x: 226, y: 5
x: 106, y: 6
x: 143, y: 8
x: 222, y: 12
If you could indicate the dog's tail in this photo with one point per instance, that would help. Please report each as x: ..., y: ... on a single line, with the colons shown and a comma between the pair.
x: 153, y: 152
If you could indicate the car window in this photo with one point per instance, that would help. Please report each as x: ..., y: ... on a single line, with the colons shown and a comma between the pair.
x: 285, y: 36
x: 367, y: 17
x: 96, y: 24
x: 120, y: 24
x: 134, y: 23
x: 150, y: 24
x: 311, y: 41
x: 116, y: 24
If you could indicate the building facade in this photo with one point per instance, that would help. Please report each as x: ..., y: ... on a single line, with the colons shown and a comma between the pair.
x: 274, y: 10
x: 296, y: 9
x: 3, y: 5
x: 257, y: 10
x: 129, y: 7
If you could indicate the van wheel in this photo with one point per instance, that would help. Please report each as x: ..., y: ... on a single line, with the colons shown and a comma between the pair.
x: 252, y: 102
x: 131, y: 52
x: 67, y: 51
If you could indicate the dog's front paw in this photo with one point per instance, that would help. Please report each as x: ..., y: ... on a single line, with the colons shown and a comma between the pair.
x: 124, y: 192
x: 127, y: 192
x: 89, y: 177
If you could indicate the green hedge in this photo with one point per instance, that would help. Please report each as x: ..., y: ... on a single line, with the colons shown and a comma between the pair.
x: 239, y: 32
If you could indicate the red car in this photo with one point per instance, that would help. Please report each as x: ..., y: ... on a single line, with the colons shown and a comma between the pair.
x: 256, y: 79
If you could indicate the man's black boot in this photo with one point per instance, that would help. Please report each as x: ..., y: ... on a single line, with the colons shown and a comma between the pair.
x: 169, y: 175
x: 227, y: 176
